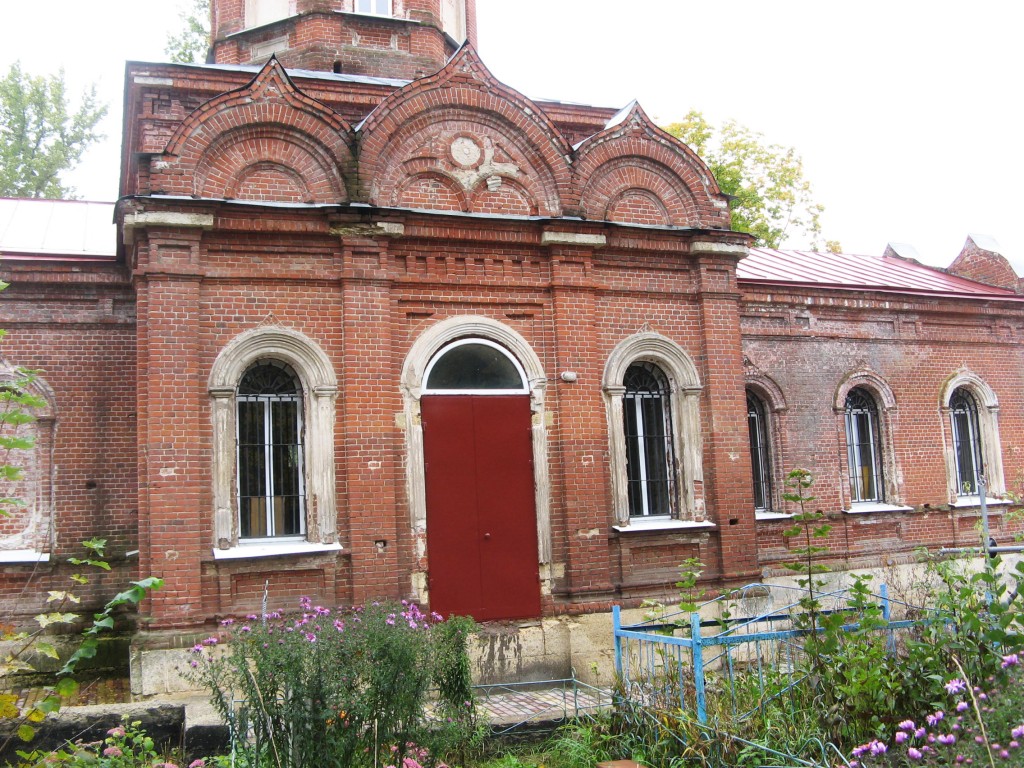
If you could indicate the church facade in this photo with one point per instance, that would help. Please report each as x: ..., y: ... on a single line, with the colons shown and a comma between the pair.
x: 379, y: 326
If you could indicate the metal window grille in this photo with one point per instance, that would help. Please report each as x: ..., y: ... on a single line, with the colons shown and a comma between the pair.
x: 757, y: 425
x: 647, y: 425
x: 863, y: 447
x: 271, y: 496
x: 963, y: 413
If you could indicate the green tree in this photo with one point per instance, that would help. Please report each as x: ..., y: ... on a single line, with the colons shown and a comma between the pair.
x: 40, y: 138
x: 189, y: 46
x: 771, y: 199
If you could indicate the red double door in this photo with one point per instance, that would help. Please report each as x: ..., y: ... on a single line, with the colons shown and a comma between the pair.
x: 481, y: 513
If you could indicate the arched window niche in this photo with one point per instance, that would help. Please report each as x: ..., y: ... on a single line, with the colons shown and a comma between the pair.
x: 865, y: 409
x: 971, y: 445
x: 266, y: 374
x: 652, y: 395
x: 475, y: 340
x: 27, y: 527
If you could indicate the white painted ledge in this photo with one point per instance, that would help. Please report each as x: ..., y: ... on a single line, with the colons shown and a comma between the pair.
x: 664, y: 524
x: 274, y: 549
x: 867, y: 507
x: 975, y: 501
x: 774, y: 515
x: 23, y: 556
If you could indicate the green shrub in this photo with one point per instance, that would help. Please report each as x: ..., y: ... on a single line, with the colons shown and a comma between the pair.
x: 346, y: 687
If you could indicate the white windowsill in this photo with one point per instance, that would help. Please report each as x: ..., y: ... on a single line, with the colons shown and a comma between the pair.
x: 275, y: 549
x: 664, y: 524
x: 774, y: 515
x: 23, y: 556
x: 975, y: 501
x: 865, y: 507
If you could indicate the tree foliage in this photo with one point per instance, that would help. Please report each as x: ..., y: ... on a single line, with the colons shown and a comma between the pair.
x: 40, y: 138
x: 190, y: 45
x: 771, y: 199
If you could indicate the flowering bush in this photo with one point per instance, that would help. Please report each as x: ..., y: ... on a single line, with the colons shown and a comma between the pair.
x: 340, y: 687
x: 979, y: 726
x: 126, y: 746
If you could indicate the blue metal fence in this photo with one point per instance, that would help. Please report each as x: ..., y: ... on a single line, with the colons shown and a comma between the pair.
x: 667, y: 660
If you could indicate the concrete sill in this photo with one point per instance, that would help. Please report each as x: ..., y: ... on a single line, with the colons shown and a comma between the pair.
x: 864, y: 508
x: 974, y: 501
x: 773, y: 515
x: 276, y: 549
x: 647, y: 526
x: 28, y: 556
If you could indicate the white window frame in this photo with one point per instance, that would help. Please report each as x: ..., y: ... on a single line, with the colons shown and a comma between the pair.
x: 259, y: 13
x: 684, y: 397
x: 522, y: 389
x: 267, y: 402
x: 855, y: 418
x: 371, y: 11
x: 319, y: 391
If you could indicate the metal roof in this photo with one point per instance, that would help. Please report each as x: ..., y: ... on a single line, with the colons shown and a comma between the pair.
x: 851, y: 271
x: 68, y: 229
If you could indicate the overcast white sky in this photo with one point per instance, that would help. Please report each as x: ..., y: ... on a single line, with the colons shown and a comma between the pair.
x: 907, y: 113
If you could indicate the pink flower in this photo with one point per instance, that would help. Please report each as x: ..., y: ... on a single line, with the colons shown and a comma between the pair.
x: 112, y: 752
x: 310, y: 636
x: 200, y: 763
x: 118, y: 731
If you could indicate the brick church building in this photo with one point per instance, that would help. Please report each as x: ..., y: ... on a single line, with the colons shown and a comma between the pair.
x: 376, y: 325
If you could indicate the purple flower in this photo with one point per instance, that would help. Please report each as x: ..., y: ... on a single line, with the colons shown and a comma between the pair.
x: 901, y: 736
x: 310, y: 636
x: 920, y: 733
x: 946, y: 739
x: 936, y: 718
x: 227, y: 622
x: 962, y: 706
x: 1018, y: 732
x: 914, y: 753
x: 907, y: 725
x: 955, y: 686
x: 211, y: 641
x: 1010, y: 661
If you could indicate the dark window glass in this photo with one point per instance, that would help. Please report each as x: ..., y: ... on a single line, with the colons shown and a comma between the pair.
x: 863, y: 447
x: 474, y: 366
x: 963, y: 411
x: 647, y: 422
x: 759, y: 462
x: 270, y: 490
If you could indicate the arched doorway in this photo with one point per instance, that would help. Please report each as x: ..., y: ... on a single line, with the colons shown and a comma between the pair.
x: 479, y: 483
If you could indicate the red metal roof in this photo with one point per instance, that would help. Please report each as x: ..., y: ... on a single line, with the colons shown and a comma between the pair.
x: 851, y: 271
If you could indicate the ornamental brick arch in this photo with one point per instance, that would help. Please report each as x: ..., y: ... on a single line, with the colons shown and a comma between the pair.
x: 493, y: 143
x: 633, y: 172
x: 266, y: 141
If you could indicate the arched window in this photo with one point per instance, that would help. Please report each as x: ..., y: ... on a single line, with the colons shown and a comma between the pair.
x: 975, y: 449
x: 760, y: 460
x: 864, y: 447
x: 647, y: 425
x: 652, y: 393
x: 963, y: 415
x: 469, y: 365
x: 273, y: 393
x: 271, y: 496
